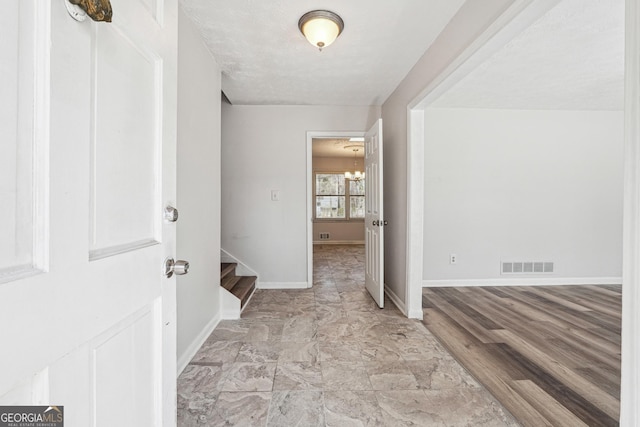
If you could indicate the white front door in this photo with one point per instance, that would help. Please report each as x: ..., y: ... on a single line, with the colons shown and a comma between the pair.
x: 374, y: 220
x: 88, y: 128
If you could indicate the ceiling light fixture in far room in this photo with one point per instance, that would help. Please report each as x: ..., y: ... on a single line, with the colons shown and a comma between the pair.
x: 356, y: 175
x: 321, y: 27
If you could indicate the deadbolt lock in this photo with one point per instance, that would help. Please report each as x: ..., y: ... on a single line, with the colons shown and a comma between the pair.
x: 170, y: 214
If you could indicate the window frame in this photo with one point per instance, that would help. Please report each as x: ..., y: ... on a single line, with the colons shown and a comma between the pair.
x: 347, y: 200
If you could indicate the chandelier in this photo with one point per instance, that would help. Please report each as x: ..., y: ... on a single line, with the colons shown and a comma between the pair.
x: 356, y: 175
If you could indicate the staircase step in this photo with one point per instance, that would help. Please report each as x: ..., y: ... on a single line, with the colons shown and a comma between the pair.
x: 226, y: 268
x: 244, y: 288
x: 241, y: 287
x: 229, y: 282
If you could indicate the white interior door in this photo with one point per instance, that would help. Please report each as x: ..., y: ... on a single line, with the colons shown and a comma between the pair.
x: 88, y: 125
x: 374, y: 220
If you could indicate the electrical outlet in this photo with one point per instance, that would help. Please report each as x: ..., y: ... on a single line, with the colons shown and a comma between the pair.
x: 453, y: 258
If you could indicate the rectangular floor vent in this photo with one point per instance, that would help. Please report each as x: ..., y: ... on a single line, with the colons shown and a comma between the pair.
x: 324, y: 236
x: 527, y: 267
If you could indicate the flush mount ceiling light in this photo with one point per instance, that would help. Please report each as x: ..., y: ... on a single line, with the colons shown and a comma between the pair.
x: 321, y: 27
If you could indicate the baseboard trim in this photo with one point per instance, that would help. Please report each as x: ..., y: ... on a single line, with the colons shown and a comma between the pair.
x: 416, y: 314
x: 282, y: 285
x: 528, y: 281
x: 191, y: 351
x: 395, y: 299
x: 338, y: 242
x: 246, y: 304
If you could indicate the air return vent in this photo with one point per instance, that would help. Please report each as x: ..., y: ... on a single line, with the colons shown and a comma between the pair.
x: 527, y: 267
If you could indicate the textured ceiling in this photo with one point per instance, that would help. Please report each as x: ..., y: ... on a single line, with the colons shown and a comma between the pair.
x: 266, y: 60
x: 572, y: 58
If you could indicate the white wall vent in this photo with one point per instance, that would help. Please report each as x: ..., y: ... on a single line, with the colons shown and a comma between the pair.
x: 526, y: 267
x: 324, y: 236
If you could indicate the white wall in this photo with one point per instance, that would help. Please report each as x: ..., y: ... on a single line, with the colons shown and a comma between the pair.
x: 470, y: 21
x: 198, y: 229
x: 519, y: 185
x: 351, y: 231
x: 264, y: 149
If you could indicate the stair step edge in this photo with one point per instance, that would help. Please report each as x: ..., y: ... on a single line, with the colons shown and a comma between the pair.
x: 226, y: 268
x: 230, y: 282
x: 244, y: 288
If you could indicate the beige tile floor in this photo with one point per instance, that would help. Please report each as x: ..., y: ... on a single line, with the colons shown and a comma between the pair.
x: 328, y: 356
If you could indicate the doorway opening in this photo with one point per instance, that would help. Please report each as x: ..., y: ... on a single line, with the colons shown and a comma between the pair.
x: 373, y: 202
x: 336, y: 192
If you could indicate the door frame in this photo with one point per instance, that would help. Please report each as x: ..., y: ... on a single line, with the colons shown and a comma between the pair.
x: 310, y: 136
x: 630, y: 372
x: 511, y: 22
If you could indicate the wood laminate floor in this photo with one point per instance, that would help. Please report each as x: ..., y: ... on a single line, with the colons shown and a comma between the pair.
x: 549, y: 354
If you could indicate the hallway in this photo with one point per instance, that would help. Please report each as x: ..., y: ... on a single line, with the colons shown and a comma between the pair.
x: 328, y: 356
